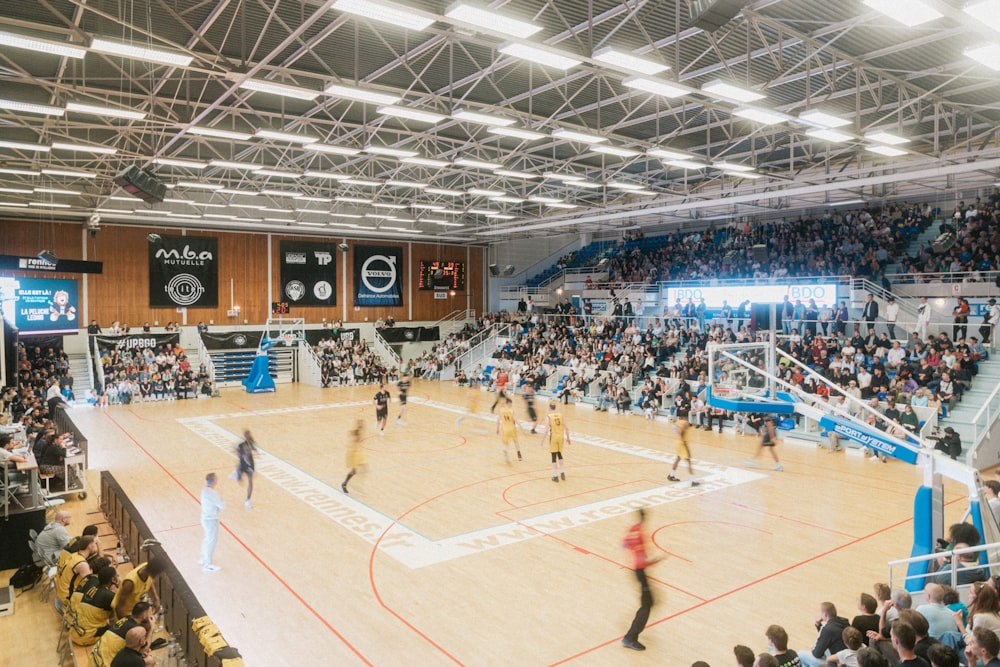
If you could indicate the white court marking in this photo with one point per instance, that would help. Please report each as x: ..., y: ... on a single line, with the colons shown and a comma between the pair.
x: 415, y: 550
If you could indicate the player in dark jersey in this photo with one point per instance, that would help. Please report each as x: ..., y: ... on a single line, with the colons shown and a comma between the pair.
x: 529, y: 400
x: 245, y: 465
x: 404, y: 388
x: 381, y: 401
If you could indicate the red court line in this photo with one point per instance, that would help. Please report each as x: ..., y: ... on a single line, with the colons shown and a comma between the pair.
x: 252, y: 553
x: 787, y: 518
x: 545, y: 502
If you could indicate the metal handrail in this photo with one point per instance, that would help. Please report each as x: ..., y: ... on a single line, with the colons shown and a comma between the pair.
x: 492, y: 332
x: 990, y: 410
x: 385, y: 350
x: 944, y: 276
x: 979, y: 549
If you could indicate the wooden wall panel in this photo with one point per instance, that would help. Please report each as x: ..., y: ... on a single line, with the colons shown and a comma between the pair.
x: 122, y: 292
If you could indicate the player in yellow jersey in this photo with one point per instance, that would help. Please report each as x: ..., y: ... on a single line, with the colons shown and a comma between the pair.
x: 558, y: 434
x: 473, y: 406
x: 683, y: 451
x: 355, y: 455
x: 507, y: 428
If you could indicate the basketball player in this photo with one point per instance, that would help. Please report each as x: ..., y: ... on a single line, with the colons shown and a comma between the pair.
x: 768, y: 439
x: 381, y: 402
x: 502, y: 380
x: 404, y: 388
x: 245, y: 465
x: 507, y: 428
x: 529, y: 400
x: 683, y: 450
x: 472, y: 408
x: 558, y: 434
x: 355, y: 455
x: 635, y: 541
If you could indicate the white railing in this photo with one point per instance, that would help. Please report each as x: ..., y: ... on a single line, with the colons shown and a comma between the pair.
x: 454, y: 321
x: 99, y: 365
x: 385, y: 350
x: 310, y: 366
x: 895, y: 580
x: 983, y: 421
x: 943, y: 276
x: 206, y: 358
x: 478, y: 351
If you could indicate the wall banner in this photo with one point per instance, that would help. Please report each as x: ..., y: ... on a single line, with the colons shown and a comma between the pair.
x: 184, y: 271
x: 309, y: 273
x: 378, y: 276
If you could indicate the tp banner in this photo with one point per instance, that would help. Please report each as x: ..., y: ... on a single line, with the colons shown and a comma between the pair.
x: 309, y: 273
x: 378, y: 276
x: 184, y: 271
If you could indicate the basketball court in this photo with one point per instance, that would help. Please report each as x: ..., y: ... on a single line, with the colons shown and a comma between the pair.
x: 444, y: 554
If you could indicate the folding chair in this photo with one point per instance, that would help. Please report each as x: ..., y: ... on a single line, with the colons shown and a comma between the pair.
x: 48, y: 565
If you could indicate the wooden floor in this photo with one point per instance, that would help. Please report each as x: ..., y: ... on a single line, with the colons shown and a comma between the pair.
x: 443, y: 554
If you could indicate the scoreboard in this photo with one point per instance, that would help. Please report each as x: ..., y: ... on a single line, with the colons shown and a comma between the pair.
x: 441, y: 275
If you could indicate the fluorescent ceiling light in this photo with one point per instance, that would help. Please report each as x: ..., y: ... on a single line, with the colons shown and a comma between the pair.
x: 762, y: 116
x: 219, y: 134
x: 28, y: 107
x: 518, y: 133
x: 988, y: 54
x: 19, y: 172
x: 686, y: 164
x: 579, y: 137
x: 482, y: 211
x: 17, y: 191
x: 24, y: 146
x: 750, y: 175
x: 48, y: 204
x: 618, y: 185
x: 57, y: 191
x: 445, y: 191
x: 508, y: 200
x: 491, y: 21
x: 397, y: 207
x: 823, y: 119
x: 333, y: 150
x: 386, y: 13
x: 449, y: 211
x: 360, y: 94
x: 479, y: 192
x: 41, y: 45
x: 83, y: 148
x: 303, y: 223
x: 830, y: 135
x: 391, y: 152
x: 888, y: 151
x: 582, y: 184
x: 654, y: 86
x: 732, y: 166
x: 545, y: 200
x: 427, y: 207
x: 170, y: 214
x: 477, y: 164
x: 277, y: 173
x: 883, y: 137
x: 69, y: 173
x: 234, y: 191
x: 287, y: 136
x: 175, y: 162
x: 510, y: 173
x: 907, y: 12
x: 95, y: 110
x: 280, y: 193
x: 537, y: 54
x: 987, y: 12
x: 199, y: 186
x: 720, y: 88
x: 13, y: 204
x: 562, y: 205
x: 562, y: 177
x: 353, y: 200
x: 139, y: 52
x: 280, y: 89
x: 406, y: 184
x: 501, y: 216
x: 226, y: 164
x: 426, y: 162
x: 411, y: 114
x: 614, y: 150
x: 320, y: 200
x: 666, y: 154
x: 445, y: 223
x: 349, y: 216
x: 326, y: 174
x: 481, y: 118
x: 361, y: 182
x: 628, y: 61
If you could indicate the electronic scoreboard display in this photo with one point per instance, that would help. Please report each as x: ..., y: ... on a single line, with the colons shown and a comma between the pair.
x: 441, y: 275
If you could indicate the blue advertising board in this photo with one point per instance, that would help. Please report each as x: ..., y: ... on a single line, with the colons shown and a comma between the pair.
x: 40, y: 305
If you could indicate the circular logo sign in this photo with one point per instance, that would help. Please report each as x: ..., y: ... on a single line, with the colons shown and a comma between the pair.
x: 295, y: 290
x: 322, y: 290
x: 240, y: 340
x: 378, y: 273
x: 184, y: 289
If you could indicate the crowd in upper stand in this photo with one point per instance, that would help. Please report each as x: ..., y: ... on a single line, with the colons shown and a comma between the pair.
x: 349, y: 361
x: 149, y: 374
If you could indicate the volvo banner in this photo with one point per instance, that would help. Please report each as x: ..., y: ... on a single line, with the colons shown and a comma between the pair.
x: 309, y: 273
x: 184, y: 271
x: 378, y: 276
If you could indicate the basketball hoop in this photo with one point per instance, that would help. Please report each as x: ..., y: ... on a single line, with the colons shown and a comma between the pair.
x: 723, y: 390
x: 288, y: 338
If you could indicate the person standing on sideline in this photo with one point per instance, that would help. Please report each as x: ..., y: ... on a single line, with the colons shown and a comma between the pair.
x: 245, y: 466
x: 404, y: 388
x: 683, y: 450
x: 355, y: 456
x: 502, y: 380
x: 891, y: 315
x: 529, y: 401
x: 381, y: 401
x: 558, y: 434
x: 768, y: 439
x: 635, y: 542
x: 507, y: 428
x: 923, y: 318
x: 870, y: 312
x: 211, y: 503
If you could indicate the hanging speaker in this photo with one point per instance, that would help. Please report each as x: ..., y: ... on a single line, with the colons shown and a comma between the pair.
x: 343, y: 247
x: 508, y: 270
x: 494, y: 270
x: 760, y: 253
x: 141, y: 184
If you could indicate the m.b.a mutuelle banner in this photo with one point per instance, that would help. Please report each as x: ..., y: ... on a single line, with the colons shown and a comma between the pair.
x: 378, y: 275
x: 183, y: 271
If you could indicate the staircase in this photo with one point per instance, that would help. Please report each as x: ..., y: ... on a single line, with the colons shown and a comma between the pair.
x: 963, y: 416
x: 83, y: 378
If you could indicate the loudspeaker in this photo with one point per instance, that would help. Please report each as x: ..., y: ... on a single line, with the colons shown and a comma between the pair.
x: 343, y: 247
x: 760, y: 253
x: 48, y: 257
x: 710, y: 15
x: 439, y: 274
x: 153, y: 238
x: 508, y: 270
x: 494, y: 270
x: 141, y: 184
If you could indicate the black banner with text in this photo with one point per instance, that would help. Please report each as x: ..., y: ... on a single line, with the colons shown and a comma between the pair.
x: 184, y: 271
x: 309, y: 273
